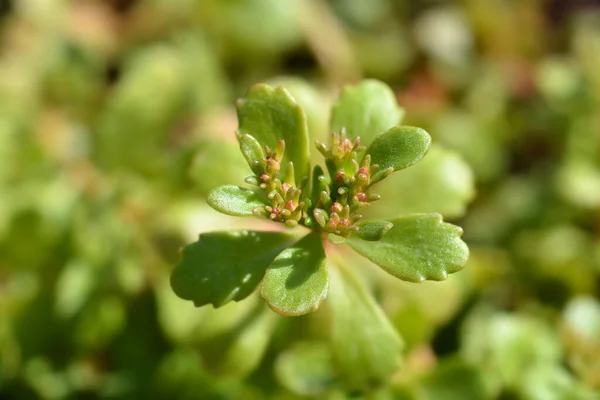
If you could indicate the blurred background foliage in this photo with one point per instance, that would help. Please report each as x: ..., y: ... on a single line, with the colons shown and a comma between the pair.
x: 117, y: 117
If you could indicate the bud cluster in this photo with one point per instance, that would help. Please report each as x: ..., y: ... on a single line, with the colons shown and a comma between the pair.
x: 346, y: 190
x: 286, y: 205
x: 336, y: 196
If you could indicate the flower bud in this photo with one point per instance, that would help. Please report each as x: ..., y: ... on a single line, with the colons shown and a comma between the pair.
x: 290, y: 205
x: 325, y: 199
x: 289, y: 174
x: 274, y: 214
x: 336, y: 208
x: 373, y: 197
x: 341, y: 178
x: 321, y: 217
x: 279, y: 150
x: 291, y: 223
x: 261, y: 212
x: 322, y: 148
x: 354, y: 165
x: 362, y: 177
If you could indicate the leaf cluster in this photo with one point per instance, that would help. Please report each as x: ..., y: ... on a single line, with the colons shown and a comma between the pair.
x: 366, y: 146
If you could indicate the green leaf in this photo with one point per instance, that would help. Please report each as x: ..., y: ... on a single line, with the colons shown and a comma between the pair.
x: 397, y: 148
x: 366, y: 347
x: 336, y: 239
x: 317, y: 186
x: 306, y: 368
x: 253, y: 153
x: 225, y: 266
x: 234, y: 338
x: 248, y: 343
x: 234, y: 200
x: 297, y: 280
x: 270, y: 115
x: 417, y: 248
x: 314, y: 103
x: 509, y: 346
x: 454, y: 379
x: 442, y: 182
x: 366, y: 110
x: 552, y: 381
x: 373, y: 230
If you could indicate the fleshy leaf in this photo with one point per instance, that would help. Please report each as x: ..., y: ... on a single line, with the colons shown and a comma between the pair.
x: 397, y: 148
x: 306, y: 368
x: 366, y: 347
x: 234, y: 338
x: 253, y: 153
x: 271, y: 114
x: 442, y: 182
x: 419, y: 247
x: 234, y: 200
x: 373, y: 231
x: 453, y: 378
x: 316, y: 186
x: 336, y: 239
x: 510, y: 346
x: 225, y: 266
x: 366, y: 110
x: 313, y: 102
x: 297, y: 280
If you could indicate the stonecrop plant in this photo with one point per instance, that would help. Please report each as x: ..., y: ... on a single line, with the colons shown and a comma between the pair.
x: 324, y: 203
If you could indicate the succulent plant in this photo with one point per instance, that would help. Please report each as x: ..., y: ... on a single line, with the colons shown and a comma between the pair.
x: 274, y: 139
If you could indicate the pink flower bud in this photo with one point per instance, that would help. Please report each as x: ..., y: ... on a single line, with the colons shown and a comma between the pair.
x: 336, y: 208
x: 341, y: 177
x: 290, y: 205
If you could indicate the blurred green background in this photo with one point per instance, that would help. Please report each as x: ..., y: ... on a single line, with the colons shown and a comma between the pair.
x: 117, y: 117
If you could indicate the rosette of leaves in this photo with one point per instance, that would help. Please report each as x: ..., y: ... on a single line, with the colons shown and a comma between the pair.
x: 324, y: 203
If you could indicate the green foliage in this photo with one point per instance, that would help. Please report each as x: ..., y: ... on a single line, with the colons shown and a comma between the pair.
x: 233, y: 342
x: 366, y: 111
x: 297, y: 281
x: 373, y: 231
x: 454, y: 379
x: 416, y: 248
x: 270, y: 115
x: 225, y: 266
x: 306, y: 368
x: 273, y: 139
x: 366, y: 347
x: 398, y: 148
x: 442, y: 182
x: 234, y: 200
